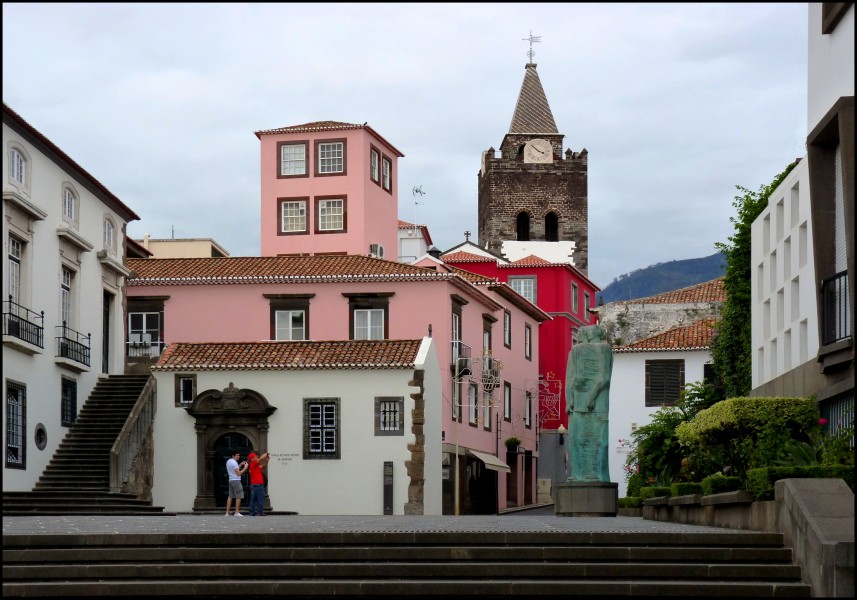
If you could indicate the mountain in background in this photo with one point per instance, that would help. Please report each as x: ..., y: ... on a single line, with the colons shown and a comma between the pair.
x: 664, y: 277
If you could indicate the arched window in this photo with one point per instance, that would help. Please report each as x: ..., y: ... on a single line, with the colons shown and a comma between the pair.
x: 69, y: 206
x: 109, y: 235
x: 17, y: 166
x: 523, y: 227
x: 551, y: 227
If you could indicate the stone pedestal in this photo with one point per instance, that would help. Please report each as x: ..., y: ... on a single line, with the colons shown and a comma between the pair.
x: 586, y: 499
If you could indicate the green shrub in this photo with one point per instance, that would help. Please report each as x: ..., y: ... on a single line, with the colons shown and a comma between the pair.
x: 719, y: 484
x: 685, y: 489
x: 760, y: 482
x: 630, y: 502
x: 635, y: 482
x: 654, y: 491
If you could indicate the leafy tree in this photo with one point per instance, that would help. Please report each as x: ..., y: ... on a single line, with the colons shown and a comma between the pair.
x: 731, y: 350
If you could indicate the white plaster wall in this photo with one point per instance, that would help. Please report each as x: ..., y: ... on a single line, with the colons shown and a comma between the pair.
x: 555, y: 252
x: 39, y: 372
x: 351, y: 485
x: 831, y: 64
x: 628, y: 399
x: 783, y: 300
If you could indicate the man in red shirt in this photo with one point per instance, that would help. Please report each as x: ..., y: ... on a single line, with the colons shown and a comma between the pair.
x: 257, y: 482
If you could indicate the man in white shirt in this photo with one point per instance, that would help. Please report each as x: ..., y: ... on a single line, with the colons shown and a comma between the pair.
x: 236, y: 490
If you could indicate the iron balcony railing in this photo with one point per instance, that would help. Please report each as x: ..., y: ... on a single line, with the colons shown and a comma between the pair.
x: 835, y: 308
x: 73, y: 345
x: 24, y: 324
x: 460, y: 358
x: 144, y: 349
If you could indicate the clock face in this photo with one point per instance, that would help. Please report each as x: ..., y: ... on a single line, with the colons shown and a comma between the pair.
x: 538, y: 151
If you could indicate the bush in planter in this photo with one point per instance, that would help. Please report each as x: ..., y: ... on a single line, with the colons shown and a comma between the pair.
x: 654, y: 491
x: 760, y: 482
x: 720, y: 484
x: 686, y: 489
x: 630, y: 502
x: 512, y: 443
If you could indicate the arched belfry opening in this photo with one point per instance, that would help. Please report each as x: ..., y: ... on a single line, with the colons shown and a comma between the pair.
x: 523, y: 227
x: 551, y: 227
x: 231, y: 418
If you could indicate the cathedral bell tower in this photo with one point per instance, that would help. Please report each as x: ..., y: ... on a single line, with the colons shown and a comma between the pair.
x: 532, y: 196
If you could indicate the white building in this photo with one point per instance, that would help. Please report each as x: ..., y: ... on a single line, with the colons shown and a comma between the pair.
x: 63, y: 294
x: 353, y: 427
x: 650, y: 374
x: 803, y: 243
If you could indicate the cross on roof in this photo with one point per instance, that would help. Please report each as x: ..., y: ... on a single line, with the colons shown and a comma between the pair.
x: 532, y: 39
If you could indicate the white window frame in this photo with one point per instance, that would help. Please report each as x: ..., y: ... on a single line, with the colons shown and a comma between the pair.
x: 331, y: 157
x: 284, y: 327
x: 69, y: 205
x: 16, y: 425
x: 293, y: 216
x: 507, y: 329
x: 507, y: 401
x: 575, y: 300
x: 528, y: 409
x: 369, y: 323
x: 525, y: 286
x: 375, y: 165
x: 331, y: 214
x: 472, y: 404
x: 293, y: 159
x: 486, y: 411
x: 66, y: 290
x: 528, y: 342
x: 185, y: 389
x: 109, y: 235
x: 17, y: 167
x: 386, y: 173
x: 16, y: 257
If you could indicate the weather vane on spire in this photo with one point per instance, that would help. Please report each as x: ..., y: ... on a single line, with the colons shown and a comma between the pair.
x: 532, y: 39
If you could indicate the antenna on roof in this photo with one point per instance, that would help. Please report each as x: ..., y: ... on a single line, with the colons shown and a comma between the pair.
x: 533, y: 39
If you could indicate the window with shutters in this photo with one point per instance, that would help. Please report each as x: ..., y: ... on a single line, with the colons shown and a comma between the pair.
x: 664, y: 381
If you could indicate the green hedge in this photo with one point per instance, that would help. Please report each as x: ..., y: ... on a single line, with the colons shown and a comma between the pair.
x: 685, y: 489
x: 719, y: 484
x: 653, y: 491
x: 760, y: 482
x: 630, y: 502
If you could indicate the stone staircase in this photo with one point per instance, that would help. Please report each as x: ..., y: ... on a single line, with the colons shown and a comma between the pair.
x: 76, y: 481
x: 400, y: 563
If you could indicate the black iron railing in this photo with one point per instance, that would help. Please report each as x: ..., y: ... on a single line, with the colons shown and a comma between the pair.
x: 144, y: 349
x: 24, y: 324
x: 73, y: 345
x: 835, y: 308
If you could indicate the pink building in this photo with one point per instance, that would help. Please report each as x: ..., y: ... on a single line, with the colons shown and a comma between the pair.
x: 328, y: 188
x: 478, y: 330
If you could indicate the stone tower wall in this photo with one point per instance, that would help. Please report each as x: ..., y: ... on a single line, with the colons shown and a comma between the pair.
x: 508, y: 185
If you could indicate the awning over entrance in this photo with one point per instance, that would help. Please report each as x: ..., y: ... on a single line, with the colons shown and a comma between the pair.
x: 491, y: 461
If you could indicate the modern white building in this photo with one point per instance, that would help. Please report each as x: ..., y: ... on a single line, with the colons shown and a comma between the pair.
x: 803, y: 304
x: 63, y: 294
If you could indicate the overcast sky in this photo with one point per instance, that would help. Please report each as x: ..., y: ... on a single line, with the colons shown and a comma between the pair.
x: 676, y: 104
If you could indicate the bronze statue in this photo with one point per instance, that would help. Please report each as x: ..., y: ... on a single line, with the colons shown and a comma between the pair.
x: 587, y: 397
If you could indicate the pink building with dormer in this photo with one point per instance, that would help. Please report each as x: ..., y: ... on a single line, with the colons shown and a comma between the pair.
x: 328, y: 188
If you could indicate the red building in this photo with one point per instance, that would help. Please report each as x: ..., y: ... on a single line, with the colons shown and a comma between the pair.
x: 561, y: 291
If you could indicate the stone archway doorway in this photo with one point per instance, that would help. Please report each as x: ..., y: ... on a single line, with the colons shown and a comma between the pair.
x: 229, y: 418
x: 223, y: 448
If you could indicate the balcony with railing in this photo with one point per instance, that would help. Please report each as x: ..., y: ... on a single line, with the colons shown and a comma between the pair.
x: 73, y: 348
x: 141, y: 352
x: 22, y: 327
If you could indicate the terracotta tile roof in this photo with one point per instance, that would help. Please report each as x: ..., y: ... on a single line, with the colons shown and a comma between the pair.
x: 319, y: 126
x: 461, y: 257
x: 473, y: 278
x: 504, y: 291
x: 275, y: 355
x: 532, y: 112
x: 532, y: 261
x: 274, y: 269
x: 697, y: 336
x: 406, y: 225
x: 709, y: 291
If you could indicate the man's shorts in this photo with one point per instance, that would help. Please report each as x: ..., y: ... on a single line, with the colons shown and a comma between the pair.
x: 236, y: 490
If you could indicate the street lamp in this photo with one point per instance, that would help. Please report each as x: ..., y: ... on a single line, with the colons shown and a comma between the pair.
x: 561, y: 431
